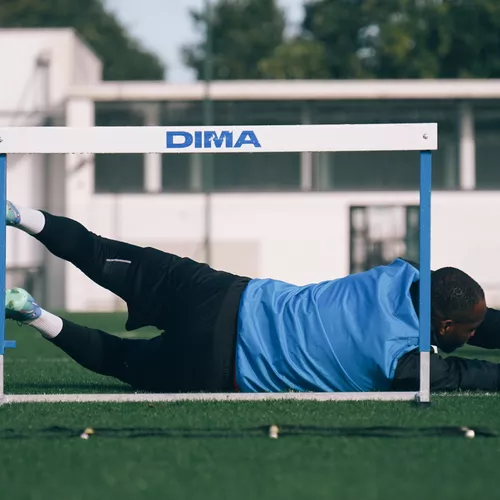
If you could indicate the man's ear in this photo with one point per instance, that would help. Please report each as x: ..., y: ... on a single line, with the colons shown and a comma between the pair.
x: 445, y: 325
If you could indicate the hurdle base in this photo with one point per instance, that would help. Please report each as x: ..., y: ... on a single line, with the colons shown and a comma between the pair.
x: 419, y: 403
x: 171, y: 398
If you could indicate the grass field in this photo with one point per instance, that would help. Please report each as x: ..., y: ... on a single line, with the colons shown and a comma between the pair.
x: 221, y: 450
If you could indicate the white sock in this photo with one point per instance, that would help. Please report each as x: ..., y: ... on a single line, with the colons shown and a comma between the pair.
x: 48, y: 324
x: 32, y: 221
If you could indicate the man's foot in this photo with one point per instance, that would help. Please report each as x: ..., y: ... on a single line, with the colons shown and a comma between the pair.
x: 12, y: 215
x: 21, y: 306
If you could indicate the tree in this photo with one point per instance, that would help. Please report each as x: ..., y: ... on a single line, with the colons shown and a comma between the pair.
x: 295, y: 59
x: 406, y: 38
x: 339, y: 26
x: 474, y: 40
x: 355, y: 39
x: 123, y: 58
x: 244, y: 32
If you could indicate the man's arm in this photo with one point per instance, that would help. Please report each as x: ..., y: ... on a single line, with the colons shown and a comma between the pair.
x: 447, y: 374
x: 488, y: 334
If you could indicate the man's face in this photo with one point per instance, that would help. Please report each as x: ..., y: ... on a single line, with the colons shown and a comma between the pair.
x: 452, y: 334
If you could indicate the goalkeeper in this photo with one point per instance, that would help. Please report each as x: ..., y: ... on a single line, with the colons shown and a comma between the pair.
x: 222, y: 332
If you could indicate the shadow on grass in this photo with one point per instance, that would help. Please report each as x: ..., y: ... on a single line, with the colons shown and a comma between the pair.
x: 285, y: 431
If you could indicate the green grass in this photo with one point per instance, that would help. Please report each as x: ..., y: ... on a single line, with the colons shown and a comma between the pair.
x: 37, y: 366
x: 174, y: 451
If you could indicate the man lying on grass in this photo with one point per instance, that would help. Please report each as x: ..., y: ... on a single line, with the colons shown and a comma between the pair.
x: 223, y: 332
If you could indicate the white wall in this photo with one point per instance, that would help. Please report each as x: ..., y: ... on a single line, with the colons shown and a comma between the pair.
x: 299, y: 238
x: 25, y: 87
x: 71, y: 62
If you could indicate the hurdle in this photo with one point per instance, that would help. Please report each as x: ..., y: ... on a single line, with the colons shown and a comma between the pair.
x: 418, y: 137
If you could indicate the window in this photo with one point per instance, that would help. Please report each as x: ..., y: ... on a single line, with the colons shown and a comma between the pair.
x: 396, y: 170
x: 384, y: 170
x: 487, y: 128
x: 118, y: 173
x: 380, y: 234
x: 232, y: 172
x: 257, y: 172
x: 488, y: 161
x: 176, y: 173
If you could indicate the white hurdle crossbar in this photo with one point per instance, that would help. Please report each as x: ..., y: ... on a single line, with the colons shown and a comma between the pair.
x: 422, y: 137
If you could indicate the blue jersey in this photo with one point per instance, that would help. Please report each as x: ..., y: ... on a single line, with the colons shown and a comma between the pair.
x: 341, y: 335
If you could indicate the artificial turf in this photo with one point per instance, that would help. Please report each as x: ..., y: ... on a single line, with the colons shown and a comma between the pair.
x: 221, y: 450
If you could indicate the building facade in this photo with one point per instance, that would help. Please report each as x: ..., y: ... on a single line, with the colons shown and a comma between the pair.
x: 299, y: 217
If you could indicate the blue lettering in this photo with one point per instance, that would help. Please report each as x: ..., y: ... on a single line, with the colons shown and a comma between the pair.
x: 172, y: 143
x: 210, y: 138
x: 226, y: 138
x: 198, y: 140
x: 247, y: 137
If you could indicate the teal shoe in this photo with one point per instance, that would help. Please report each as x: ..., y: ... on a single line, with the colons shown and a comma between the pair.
x: 12, y: 215
x: 21, y: 306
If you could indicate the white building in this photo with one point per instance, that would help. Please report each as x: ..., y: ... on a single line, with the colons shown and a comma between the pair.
x: 296, y: 217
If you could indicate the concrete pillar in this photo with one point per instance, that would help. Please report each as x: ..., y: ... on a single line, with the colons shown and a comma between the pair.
x: 196, y: 172
x: 323, y: 164
x: 306, y: 158
x: 467, y: 169
x: 79, y: 186
x: 152, y: 161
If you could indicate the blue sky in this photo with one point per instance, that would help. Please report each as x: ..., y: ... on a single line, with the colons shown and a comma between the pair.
x: 165, y: 25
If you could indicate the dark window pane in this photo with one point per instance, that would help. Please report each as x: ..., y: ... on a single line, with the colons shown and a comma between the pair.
x: 119, y: 173
x: 371, y: 170
x: 384, y: 111
x: 380, y: 234
x: 258, y: 112
x: 386, y: 170
x: 233, y: 113
x: 379, y: 170
x: 487, y: 128
x: 257, y: 172
x: 176, y: 172
x: 488, y: 163
x: 181, y: 113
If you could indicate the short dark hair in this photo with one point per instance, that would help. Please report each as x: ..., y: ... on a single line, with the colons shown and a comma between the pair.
x: 454, y: 294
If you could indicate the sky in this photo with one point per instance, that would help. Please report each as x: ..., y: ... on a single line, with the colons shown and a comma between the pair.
x: 164, y: 26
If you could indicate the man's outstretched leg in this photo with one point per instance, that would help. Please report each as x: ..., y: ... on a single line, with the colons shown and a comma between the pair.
x: 105, y: 261
x: 195, y: 305
x: 142, y: 363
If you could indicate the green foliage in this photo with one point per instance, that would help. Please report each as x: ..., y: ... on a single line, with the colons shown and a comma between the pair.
x: 338, y: 26
x: 123, y: 58
x: 407, y: 38
x: 353, y: 39
x: 296, y: 59
x: 474, y: 39
x: 244, y: 32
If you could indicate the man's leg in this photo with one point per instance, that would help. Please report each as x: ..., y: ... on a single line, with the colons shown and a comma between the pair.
x: 196, y: 305
x: 142, y: 363
x: 105, y: 261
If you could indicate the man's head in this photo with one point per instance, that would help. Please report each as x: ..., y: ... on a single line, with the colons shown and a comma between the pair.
x: 458, y: 307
